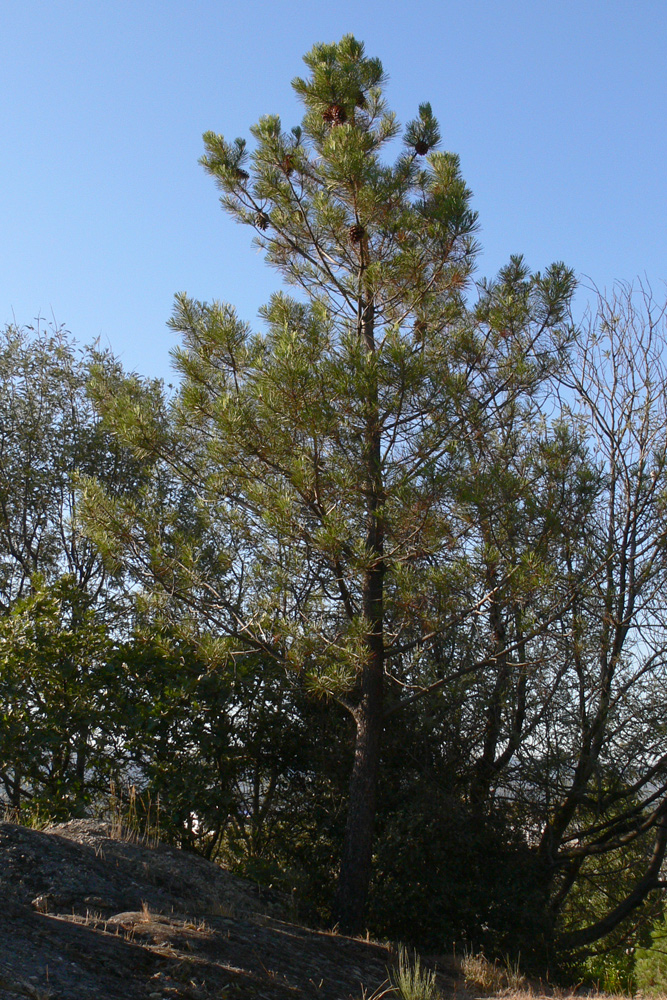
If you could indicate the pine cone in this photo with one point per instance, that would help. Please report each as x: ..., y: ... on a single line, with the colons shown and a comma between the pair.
x: 335, y: 114
x: 242, y: 175
x: 287, y: 164
x: 262, y: 220
x: 357, y: 233
x: 421, y: 147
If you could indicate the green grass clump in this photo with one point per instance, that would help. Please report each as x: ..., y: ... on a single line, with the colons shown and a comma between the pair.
x: 410, y: 981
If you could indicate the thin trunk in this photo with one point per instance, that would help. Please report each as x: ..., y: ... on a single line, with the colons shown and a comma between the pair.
x: 16, y: 790
x: 80, y: 772
x: 355, y: 870
x: 486, y: 768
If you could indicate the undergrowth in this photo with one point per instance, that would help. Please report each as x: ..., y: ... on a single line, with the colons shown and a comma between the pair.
x: 134, y: 818
x: 492, y: 977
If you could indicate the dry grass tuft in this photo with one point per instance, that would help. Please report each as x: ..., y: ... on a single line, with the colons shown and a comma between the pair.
x: 494, y: 977
x: 30, y: 818
x: 133, y: 819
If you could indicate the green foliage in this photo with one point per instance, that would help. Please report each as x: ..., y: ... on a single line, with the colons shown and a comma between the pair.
x: 55, y: 690
x: 238, y: 758
x: 651, y: 963
x: 61, y: 606
x: 610, y: 971
x: 400, y: 532
x: 50, y: 434
x: 466, y: 879
x: 267, y: 443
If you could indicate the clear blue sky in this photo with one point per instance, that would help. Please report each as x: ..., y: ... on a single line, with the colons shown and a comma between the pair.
x: 557, y: 109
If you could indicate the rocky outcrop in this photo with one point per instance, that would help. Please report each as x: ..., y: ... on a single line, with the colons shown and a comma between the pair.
x: 89, y: 917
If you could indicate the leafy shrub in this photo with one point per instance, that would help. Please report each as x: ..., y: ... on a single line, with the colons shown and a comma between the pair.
x: 651, y: 962
x: 461, y: 880
x: 608, y: 972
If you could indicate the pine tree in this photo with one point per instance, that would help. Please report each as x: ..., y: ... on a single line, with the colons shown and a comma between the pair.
x: 326, y: 455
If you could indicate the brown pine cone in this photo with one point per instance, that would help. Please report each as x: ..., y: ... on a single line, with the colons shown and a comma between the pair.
x: 335, y: 114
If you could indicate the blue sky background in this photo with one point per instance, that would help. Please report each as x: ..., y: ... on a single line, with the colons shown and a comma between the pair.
x: 557, y: 110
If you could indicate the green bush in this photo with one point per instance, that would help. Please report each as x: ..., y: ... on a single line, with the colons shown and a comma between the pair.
x: 608, y: 972
x: 442, y: 876
x: 651, y: 962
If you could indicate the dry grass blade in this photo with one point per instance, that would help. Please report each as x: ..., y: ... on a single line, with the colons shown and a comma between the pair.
x: 385, y: 990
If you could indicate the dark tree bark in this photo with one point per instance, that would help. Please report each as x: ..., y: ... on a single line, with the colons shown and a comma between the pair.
x: 355, y: 870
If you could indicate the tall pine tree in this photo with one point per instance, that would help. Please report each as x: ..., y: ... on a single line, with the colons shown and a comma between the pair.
x: 324, y: 459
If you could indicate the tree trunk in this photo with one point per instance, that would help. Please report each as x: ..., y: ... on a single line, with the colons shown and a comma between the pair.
x: 82, y: 751
x: 355, y: 869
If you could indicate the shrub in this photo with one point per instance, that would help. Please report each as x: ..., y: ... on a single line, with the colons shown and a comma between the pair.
x: 651, y: 962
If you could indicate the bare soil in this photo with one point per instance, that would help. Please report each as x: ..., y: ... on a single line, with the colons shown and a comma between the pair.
x: 88, y: 917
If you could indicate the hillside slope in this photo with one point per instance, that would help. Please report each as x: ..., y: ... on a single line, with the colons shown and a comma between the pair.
x: 87, y: 917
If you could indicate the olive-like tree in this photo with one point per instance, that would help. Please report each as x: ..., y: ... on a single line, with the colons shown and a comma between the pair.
x: 60, y: 607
